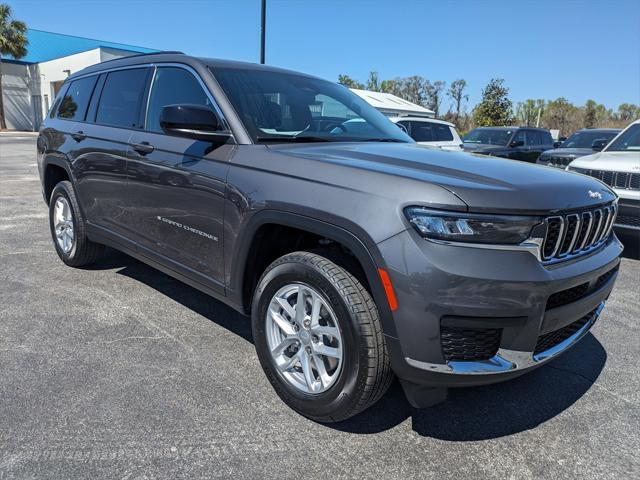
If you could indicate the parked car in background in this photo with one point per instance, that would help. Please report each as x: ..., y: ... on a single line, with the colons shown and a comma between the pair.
x: 581, y: 143
x: 429, y: 131
x: 618, y: 165
x: 517, y: 143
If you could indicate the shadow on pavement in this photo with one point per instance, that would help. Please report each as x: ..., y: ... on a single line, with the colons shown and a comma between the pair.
x: 469, y: 414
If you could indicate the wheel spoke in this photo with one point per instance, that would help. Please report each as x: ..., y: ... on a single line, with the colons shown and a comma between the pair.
x: 301, y: 306
x: 282, y: 323
x: 332, y: 332
x: 287, y: 307
x: 325, y: 379
x: 316, y: 307
x: 307, y: 370
x: 289, y: 362
x: 322, y: 349
x: 282, y: 346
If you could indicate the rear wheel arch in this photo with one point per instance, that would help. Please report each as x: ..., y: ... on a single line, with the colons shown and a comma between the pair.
x: 54, y: 172
x: 250, y: 262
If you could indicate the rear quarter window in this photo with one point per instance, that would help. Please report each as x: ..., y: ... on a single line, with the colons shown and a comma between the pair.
x: 73, y: 104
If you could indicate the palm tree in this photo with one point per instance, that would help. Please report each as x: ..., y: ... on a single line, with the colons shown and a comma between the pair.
x: 13, y: 41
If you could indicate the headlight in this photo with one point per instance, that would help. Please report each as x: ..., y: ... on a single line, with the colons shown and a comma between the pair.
x: 471, y: 228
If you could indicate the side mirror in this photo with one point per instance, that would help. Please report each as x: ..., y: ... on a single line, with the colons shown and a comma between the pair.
x: 557, y: 144
x: 192, y: 121
x: 598, y: 145
x: 562, y: 139
x: 516, y: 143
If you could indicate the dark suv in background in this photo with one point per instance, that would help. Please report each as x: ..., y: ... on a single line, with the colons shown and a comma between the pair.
x: 516, y: 143
x: 581, y: 143
x: 358, y: 255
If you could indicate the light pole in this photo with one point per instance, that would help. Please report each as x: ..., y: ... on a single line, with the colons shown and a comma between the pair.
x: 263, y: 17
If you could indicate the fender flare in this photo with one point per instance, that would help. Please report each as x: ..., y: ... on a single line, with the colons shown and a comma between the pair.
x: 362, y: 246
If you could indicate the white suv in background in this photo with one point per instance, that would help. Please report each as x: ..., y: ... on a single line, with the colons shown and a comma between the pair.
x: 618, y: 165
x: 429, y: 131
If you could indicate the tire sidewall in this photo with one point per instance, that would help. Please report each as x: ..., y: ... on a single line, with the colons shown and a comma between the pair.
x: 342, y: 393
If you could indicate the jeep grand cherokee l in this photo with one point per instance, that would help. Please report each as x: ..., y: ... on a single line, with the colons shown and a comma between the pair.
x: 358, y: 256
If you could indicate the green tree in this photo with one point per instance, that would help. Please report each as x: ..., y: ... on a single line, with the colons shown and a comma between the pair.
x: 495, y: 108
x: 628, y: 112
x: 529, y: 112
x: 562, y: 115
x: 433, y: 93
x: 13, y: 41
x: 349, y: 82
x: 373, y: 83
x: 457, y: 96
x: 590, y: 114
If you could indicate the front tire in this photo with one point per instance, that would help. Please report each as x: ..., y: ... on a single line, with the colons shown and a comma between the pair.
x: 318, y: 337
x: 68, y: 228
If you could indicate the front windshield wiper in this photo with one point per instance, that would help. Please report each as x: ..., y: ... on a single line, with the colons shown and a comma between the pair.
x: 290, y: 138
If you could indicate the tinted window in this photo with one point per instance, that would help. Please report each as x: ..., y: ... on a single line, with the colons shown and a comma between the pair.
x: 430, y: 132
x: 546, y: 138
x: 533, y: 138
x: 520, y: 136
x: 120, y: 99
x: 280, y: 106
x: 489, y: 136
x: 173, y: 86
x: 73, y: 105
x: 585, y: 139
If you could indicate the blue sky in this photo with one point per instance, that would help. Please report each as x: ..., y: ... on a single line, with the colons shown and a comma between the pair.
x: 543, y: 49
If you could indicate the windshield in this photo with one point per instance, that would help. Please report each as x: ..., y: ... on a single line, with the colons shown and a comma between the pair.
x: 586, y: 139
x: 280, y: 106
x: 629, y: 140
x: 489, y: 136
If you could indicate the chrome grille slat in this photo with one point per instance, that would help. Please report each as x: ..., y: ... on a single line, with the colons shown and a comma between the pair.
x: 576, y: 233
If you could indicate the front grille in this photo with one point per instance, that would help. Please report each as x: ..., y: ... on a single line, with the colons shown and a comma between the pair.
x: 629, y: 220
x: 469, y: 344
x: 576, y: 233
x: 624, y: 180
x: 551, y: 339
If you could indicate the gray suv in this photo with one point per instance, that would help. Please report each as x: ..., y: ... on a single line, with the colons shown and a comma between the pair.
x: 359, y: 255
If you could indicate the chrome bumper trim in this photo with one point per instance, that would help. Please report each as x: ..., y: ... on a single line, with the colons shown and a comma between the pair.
x: 507, y: 360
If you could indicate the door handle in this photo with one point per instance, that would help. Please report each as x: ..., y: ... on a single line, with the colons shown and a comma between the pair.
x: 142, y: 148
x: 78, y: 136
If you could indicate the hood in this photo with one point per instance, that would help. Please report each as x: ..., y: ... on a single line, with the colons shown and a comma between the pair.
x: 567, y: 152
x: 484, y: 184
x: 611, y: 161
x: 482, y: 147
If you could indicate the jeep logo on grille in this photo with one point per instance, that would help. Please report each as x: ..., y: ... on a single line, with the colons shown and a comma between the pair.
x: 597, y: 195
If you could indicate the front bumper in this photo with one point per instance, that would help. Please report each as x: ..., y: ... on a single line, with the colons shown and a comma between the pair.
x: 508, y: 291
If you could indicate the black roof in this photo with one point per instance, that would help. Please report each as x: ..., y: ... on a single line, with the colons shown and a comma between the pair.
x: 178, y: 57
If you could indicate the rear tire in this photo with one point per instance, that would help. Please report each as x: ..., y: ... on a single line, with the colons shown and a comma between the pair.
x: 68, y: 228
x: 336, y: 389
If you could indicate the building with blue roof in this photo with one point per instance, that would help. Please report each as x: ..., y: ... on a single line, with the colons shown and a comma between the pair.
x: 30, y: 84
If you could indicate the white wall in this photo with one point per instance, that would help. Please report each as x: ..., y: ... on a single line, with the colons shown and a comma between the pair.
x: 28, y: 89
x: 17, y: 89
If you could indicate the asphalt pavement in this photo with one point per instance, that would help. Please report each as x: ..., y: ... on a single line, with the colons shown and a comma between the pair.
x: 119, y: 371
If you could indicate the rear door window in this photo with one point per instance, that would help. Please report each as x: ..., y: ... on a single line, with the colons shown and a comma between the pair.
x: 121, y: 98
x: 430, y: 132
x: 73, y: 105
